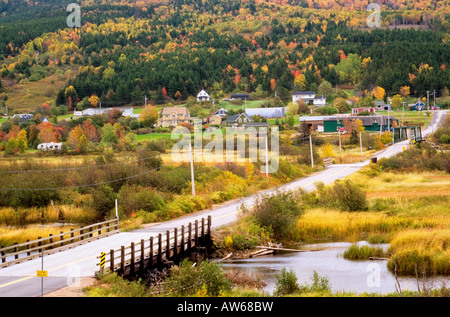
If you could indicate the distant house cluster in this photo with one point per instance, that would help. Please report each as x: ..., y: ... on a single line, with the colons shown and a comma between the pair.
x: 309, y: 97
x: 27, y: 116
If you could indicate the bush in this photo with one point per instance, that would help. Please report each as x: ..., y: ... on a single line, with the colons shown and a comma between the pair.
x: 133, y: 198
x: 187, y: 280
x: 286, y: 283
x: 344, y: 195
x: 277, y: 212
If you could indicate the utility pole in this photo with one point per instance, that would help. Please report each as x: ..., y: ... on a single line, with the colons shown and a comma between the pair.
x: 360, y: 143
x: 340, y: 149
x: 192, y: 169
x: 434, y: 97
x: 312, y: 156
x: 403, y: 110
x: 428, y: 102
x: 267, y: 155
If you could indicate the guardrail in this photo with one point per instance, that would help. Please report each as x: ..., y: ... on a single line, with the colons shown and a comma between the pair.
x: 18, y: 253
x: 155, y: 250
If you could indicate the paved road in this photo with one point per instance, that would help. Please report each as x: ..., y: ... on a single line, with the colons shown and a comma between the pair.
x: 65, y: 267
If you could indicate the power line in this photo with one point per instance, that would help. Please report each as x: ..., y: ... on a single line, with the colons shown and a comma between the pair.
x: 72, y: 168
x: 84, y: 186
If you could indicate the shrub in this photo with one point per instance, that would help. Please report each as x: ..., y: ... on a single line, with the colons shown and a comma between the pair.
x: 286, y: 283
x: 277, y: 212
x: 187, y: 279
x: 344, y: 195
x: 134, y: 198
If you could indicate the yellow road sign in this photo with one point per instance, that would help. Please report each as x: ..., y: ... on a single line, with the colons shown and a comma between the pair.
x: 41, y: 273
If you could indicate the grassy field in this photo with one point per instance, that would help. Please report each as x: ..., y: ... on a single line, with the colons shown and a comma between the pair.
x: 26, y: 97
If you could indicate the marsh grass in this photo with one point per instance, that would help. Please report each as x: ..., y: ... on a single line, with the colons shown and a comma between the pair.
x: 409, y: 210
x: 355, y: 252
x: 421, y: 251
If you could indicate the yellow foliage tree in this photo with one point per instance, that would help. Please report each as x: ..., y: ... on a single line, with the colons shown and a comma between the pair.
x: 94, y: 101
x: 378, y: 92
x: 149, y: 115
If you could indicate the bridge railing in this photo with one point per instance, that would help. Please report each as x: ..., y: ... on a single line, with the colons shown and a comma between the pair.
x: 29, y: 250
x: 154, y: 250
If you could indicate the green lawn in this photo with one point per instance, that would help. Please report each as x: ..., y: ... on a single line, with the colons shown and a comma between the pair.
x: 152, y: 136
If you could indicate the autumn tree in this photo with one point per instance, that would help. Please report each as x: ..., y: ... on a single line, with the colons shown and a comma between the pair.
x: 71, y: 97
x: 94, y: 101
x: 149, y: 116
x: 378, y: 92
x: 349, y: 69
x: 47, y: 133
x: 341, y: 105
x: 22, y: 141
x: 396, y: 101
x: 77, y: 140
x: 405, y: 91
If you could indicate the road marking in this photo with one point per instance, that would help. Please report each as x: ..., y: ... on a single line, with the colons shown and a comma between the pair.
x: 17, y: 281
x: 50, y: 270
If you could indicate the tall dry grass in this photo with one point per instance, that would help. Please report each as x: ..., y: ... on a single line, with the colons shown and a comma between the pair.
x: 421, y: 251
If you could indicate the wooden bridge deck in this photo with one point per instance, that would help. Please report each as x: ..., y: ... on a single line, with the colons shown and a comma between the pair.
x: 156, y: 251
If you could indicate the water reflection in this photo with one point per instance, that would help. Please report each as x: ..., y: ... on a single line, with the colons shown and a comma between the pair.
x: 344, y: 275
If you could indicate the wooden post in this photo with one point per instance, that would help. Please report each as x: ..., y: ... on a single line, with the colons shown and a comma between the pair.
x: 182, y: 239
x: 196, y: 232
x: 122, y: 259
x: 203, y: 229
x: 111, y: 260
x: 90, y: 232
x: 132, y: 264
x: 151, y: 251
x: 71, y: 235
x: 39, y: 244
x: 81, y: 234
x: 28, y: 248
x: 51, y: 241
x: 175, y: 242
x: 99, y: 232
x: 209, y: 224
x: 159, y: 248
x: 62, y: 238
x: 3, y: 255
x: 209, y: 228
x: 16, y: 256
x: 142, y: 255
x: 190, y: 236
x: 167, y: 245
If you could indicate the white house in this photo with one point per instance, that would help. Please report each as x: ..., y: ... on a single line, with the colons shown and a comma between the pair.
x: 320, y: 101
x: 49, y: 146
x: 202, y: 96
x: 309, y: 97
x: 306, y: 96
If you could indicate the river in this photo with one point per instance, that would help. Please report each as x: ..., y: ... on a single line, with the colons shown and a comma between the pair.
x: 371, y: 276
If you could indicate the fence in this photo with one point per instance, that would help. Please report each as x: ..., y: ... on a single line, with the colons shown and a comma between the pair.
x: 327, y: 162
x: 29, y: 250
x: 156, y: 250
